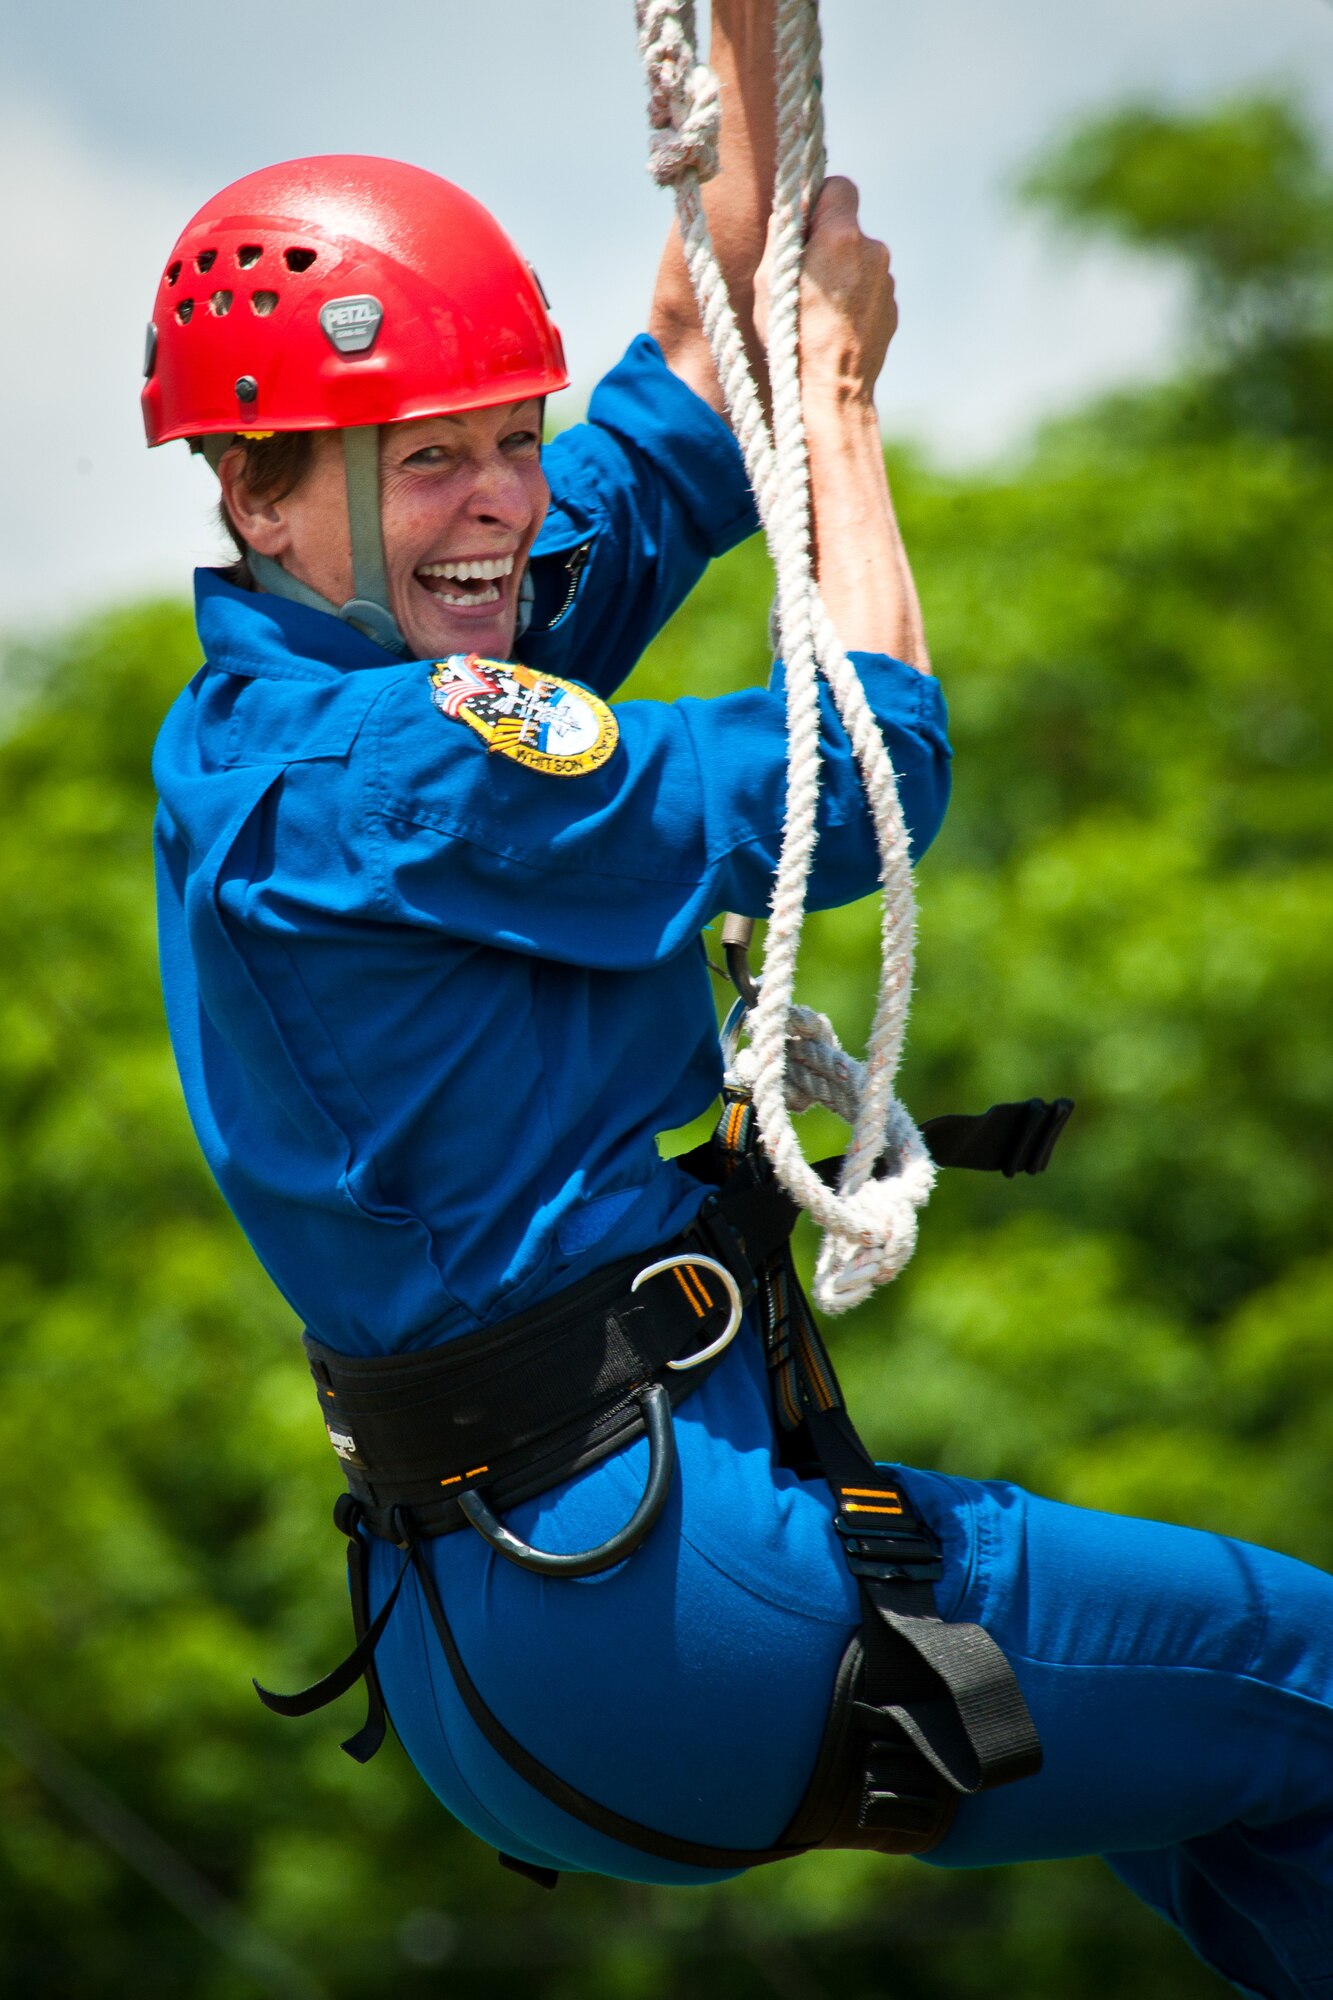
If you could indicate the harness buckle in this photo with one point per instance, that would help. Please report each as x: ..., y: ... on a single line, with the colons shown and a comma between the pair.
x: 686, y: 1268
x: 881, y: 1541
x: 906, y: 1570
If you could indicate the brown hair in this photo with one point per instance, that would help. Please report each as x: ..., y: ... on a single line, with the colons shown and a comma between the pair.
x: 274, y: 467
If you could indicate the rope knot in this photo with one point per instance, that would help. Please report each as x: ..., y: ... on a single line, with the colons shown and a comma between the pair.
x: 873, y: 1239
x: 684, y: 103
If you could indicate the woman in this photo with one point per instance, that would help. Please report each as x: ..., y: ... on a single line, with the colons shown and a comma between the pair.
x: 430, y: 916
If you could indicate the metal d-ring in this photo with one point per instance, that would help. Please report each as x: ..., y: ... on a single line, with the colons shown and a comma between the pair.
x: 656, y: 1405
x: 734, y: 1300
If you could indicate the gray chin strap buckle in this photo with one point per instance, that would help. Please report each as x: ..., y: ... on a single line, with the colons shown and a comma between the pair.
x: 377, y: 623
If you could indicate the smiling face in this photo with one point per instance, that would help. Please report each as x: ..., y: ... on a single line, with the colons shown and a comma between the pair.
x: 461, y: 500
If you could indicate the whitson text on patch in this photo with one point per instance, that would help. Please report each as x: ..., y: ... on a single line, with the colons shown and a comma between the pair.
x: 536, y: 720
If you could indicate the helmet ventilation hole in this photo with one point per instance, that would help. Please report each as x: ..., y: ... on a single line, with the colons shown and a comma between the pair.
x: 299, y: 260
x: 205, y: 261
x: 173, y: 271
x: 221, y: 303
x: 249, y: 254
x: 183, y: 311
x: 263, y: 303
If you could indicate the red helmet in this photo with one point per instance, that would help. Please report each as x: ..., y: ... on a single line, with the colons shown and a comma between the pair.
x: 341, y: 291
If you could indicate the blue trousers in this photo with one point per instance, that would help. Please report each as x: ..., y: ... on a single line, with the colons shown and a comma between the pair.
x: 1182, y: 1684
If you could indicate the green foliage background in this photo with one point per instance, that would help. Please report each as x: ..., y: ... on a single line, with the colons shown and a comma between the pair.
x: 1132, y: 903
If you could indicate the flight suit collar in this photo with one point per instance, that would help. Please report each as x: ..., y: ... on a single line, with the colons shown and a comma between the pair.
x: 263, y: 637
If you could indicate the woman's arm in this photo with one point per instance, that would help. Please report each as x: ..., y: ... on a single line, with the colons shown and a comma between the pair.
x: 737, y: 202
x: 861, y: 562
x: 848, y: 317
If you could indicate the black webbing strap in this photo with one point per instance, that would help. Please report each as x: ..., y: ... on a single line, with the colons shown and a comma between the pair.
x: 943, y: 1690
x: 946, y: 1687
x: 360, y: 1662
x: 1008, y: 1139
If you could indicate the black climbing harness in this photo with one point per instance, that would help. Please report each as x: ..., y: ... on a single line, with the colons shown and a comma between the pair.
x: 923, y: 1712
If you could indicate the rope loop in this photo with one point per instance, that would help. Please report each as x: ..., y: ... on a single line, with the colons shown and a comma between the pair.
x: 870, y: 1219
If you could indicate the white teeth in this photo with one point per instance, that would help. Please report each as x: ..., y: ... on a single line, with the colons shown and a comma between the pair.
x: 488, y: 571
x: 491, y: 596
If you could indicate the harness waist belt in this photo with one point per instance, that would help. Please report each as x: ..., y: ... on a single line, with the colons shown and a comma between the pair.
x: 525, y: 1404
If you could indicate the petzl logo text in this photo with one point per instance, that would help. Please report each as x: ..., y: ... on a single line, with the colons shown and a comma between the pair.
x: 352, y: 324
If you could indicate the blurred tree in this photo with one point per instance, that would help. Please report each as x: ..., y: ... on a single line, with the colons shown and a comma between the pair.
x: 1242, y: 192
x: 1132, y: 902
x: 1241, y: 197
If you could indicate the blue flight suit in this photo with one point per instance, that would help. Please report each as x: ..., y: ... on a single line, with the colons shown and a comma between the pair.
x: 431, y: 1009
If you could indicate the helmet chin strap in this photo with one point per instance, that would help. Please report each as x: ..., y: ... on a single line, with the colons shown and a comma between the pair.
x: 368, y: 606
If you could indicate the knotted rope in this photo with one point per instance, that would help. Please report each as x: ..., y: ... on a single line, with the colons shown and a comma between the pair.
x: 869, y: 1223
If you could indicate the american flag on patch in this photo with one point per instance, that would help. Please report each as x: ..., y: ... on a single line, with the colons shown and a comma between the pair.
x: 458, y: 680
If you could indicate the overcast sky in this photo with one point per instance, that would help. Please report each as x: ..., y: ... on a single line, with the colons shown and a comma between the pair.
x: 117, y: 122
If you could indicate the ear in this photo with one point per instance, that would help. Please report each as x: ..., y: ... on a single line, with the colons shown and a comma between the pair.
x: 261, y: 524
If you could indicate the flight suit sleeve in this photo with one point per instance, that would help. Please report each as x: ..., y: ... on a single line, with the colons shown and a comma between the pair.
x: 619, y: 866
x: 643, y: 496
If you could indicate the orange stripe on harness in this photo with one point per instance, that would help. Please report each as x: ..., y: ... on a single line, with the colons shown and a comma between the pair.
x: 700, y: 1288
x: 683, y: 1282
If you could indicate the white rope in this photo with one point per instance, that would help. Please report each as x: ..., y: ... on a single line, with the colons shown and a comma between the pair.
x: 870, y: 1223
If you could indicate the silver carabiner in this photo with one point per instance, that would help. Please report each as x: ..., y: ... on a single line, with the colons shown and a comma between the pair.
x: 729, y: 1286
x: 730, y: 1037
